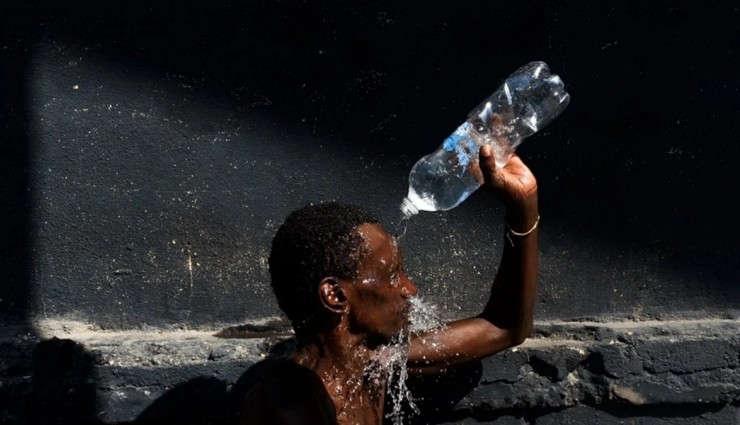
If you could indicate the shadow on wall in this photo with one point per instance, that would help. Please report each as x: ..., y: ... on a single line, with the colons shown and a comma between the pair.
x: 208, y: 400
x: 437, y: 395
x: 203, y: 400
x: 63, y: 385
x: 15, y: 161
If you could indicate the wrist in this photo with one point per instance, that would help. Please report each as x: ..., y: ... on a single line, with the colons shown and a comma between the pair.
x: 523, y: 215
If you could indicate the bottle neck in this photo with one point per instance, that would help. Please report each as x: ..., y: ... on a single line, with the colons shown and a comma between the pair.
x: 408, y: 208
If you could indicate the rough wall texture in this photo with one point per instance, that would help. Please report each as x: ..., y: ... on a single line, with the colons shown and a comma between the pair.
x: 149, y: 151
x: 587, y: 372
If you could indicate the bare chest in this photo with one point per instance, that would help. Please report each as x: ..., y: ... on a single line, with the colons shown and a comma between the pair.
x: 358, y: 403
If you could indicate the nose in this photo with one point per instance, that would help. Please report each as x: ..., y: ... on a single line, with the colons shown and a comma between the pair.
x: 408, y: 289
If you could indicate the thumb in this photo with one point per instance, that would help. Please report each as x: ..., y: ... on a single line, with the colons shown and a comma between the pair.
x: 488, y: 164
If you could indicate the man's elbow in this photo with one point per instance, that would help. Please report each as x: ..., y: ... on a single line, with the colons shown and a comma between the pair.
x: 518, y: 339
x: 511, y: 334
x: 517, y: 336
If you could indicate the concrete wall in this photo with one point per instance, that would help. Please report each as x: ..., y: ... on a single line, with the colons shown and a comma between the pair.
x: 149, y: 152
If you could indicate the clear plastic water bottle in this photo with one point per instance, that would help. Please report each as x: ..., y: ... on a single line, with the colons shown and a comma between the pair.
x: 527, y: 101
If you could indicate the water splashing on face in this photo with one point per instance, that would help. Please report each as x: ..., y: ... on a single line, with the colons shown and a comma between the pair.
x: 389, y: 363
x: 423, y: 316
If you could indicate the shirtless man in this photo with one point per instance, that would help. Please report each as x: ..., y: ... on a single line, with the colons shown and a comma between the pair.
x: 339, y: 278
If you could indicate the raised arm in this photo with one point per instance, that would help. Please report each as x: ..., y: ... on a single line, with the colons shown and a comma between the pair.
x: 507, y: 318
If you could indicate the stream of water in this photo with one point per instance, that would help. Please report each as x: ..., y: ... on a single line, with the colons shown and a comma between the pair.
x: 389, y: 364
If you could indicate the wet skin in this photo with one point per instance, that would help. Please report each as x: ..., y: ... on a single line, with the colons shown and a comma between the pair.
x: 369, y: 310
x: 379, y: 295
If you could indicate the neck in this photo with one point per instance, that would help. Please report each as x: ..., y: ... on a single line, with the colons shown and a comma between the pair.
x: 336, y: 353
x: 341, y: 360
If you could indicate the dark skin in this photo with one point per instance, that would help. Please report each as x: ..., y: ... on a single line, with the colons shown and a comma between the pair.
x: 366, y: 312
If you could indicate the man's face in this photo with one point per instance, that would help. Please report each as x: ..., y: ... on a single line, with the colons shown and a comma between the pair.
x: 379, y: 296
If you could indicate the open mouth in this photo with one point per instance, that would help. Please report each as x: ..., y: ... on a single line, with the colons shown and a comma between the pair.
x: 405, y: 311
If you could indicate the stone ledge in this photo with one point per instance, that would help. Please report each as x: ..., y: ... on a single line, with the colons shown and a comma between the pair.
x: 118, y: 377
x: 639, y: 367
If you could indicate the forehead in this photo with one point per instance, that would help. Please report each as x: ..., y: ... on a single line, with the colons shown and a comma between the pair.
x: 382, y: 247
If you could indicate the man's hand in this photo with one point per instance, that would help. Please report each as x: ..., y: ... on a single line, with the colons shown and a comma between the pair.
x: 514, y: 185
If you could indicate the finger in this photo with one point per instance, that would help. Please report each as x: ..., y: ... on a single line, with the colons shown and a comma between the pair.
x: 487, y: 162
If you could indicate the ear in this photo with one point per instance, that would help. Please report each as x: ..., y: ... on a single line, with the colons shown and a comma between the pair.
x: 332, y: 295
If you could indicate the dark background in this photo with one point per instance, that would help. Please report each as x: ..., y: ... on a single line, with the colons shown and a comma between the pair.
x: 150, y: 150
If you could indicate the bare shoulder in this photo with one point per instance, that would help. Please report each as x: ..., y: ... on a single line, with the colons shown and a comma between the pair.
x: 288, y: 394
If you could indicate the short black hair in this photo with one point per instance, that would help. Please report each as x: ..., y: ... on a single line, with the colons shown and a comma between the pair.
x: 314, y: 242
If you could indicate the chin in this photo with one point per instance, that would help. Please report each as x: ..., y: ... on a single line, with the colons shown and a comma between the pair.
x: 391, y: 335
x: 378, y: 340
